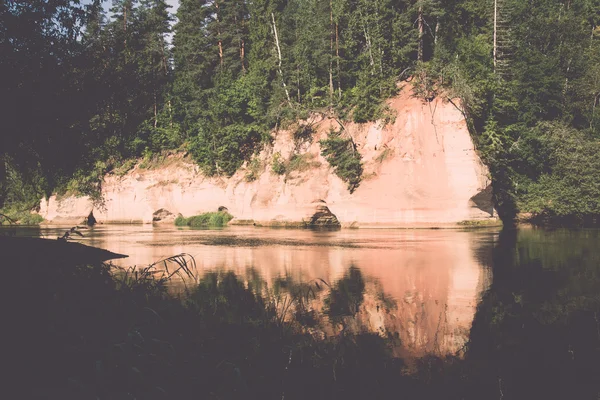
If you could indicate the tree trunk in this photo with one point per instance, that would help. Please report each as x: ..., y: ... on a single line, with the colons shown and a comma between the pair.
x: 155, y: 112
x: 164, y: 57
x: 287, y: 94
x: 495, y: 33
x: 170, y: 113
x: 592, y: 127
x: 337, y: 60
x: 240, y: 29
x: 125, y: 25
x: 331, y: 52
x: 219, y: 42
x: 368, y: 42
x: 2, y: 180
x: 242, y: 53
x: 298, y: 84
x: 566, y: 88
x: 420, y: 26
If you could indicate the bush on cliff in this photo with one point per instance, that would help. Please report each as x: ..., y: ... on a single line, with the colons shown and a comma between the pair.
x: 210, y: 219
x: 344, y: 158
x: 277, y: 165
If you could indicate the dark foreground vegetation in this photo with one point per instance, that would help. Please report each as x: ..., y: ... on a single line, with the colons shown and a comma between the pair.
x: 80, y: 331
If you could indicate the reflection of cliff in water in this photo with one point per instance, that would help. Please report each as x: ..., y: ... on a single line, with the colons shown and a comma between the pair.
x: 425, y: 293
x: 421, y: 285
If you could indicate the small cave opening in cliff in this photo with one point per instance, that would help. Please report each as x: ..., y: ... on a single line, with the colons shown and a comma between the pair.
x: 90, y: 220
x: 323, y: 217
x: 483, y: 200
x: 162, y: 214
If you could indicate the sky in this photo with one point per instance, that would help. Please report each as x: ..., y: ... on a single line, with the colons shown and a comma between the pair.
x: 173, y: 3
x: 107, y: 4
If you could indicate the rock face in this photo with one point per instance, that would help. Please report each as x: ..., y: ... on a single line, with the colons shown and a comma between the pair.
x: 420, y: 170
x: 323, y: 217
x: 163, y: 215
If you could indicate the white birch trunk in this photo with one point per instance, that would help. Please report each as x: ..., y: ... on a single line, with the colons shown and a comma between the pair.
x: 287, y: 94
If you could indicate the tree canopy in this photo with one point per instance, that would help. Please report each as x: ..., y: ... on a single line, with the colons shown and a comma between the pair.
x: 84, y: 91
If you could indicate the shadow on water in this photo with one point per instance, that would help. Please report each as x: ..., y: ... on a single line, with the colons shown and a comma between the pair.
x: 92, y: 332
x: 536, y: 333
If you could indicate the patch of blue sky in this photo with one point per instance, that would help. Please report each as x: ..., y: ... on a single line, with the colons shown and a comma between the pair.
x: 107, y: 4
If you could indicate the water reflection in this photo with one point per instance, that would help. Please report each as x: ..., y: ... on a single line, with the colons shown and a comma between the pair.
x: 536, y: 333
x: 420, y: 286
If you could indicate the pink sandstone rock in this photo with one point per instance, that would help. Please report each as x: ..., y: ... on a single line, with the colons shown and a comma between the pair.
x: 421, y: 170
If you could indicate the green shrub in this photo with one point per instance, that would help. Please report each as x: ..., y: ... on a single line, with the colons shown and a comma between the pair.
x: 568, y: 188
x: 210, y: 219
x: 31, y: 219
x: 384, y: 155
x: 125, y: 167
x: 303, y: 133
x: 254, y: 169
x: 87, y: 182
x: 277, y: 165
x: 180, y: 221
x: 302, y: 162
x: 344, y: 158
x: 14, y: 214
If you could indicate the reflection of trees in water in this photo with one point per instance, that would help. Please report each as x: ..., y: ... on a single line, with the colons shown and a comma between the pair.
x: 346, y: 296
x: 536, y: 332
x: 355, y: 304
x: 321, y: 307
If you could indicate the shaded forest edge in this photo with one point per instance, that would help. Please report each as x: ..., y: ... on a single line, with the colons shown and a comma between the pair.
x: 98, y: 331
x: 85, y: 94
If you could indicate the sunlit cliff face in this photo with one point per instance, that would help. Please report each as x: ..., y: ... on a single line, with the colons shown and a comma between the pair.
x: 422, y: 169
x: 420, y: 285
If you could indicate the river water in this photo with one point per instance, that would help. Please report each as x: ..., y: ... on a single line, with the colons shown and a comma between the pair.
x: 423, y: 285
x: 516, y: 299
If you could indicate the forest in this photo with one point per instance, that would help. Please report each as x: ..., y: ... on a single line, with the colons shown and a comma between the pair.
x: 86, y: 92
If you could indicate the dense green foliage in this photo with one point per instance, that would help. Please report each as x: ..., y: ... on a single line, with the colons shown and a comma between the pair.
x: 567, y: 190
x: 209, y: 219
x: 277, y: 165
x: 83, y: 91
x: 343, y: 156
x: 533, y: 114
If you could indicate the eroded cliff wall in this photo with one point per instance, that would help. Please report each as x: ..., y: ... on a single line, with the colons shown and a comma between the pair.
x: 420, y: 170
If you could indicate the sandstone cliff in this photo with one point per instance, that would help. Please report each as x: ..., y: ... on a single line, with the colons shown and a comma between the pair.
x: 420, y: 170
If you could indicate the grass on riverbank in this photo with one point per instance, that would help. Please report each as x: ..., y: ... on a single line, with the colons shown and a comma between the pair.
x: 210, y: 219
x: 480, y: 223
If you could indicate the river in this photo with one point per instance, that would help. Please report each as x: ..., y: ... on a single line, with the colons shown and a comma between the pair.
x: 423, y: 285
